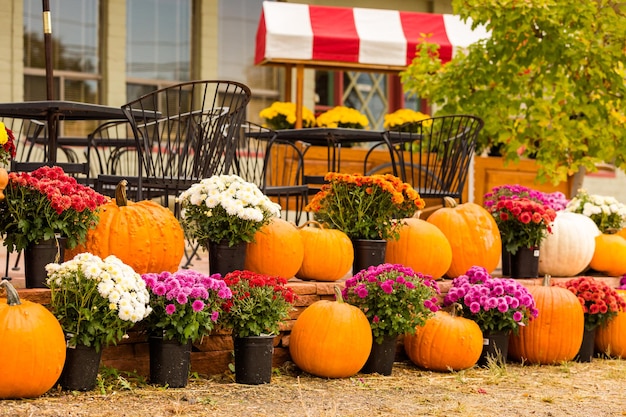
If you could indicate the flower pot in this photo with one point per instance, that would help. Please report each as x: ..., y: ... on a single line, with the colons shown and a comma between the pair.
x: 495, y: 347
x: 382, y: 356
x: 506, y: 262
x: 253, y: 359
x: 368, y: 252
x: 37, y: 256
x: 80, y: 370
x: 586, y: 351
x: 224, y: 259
x: 169, y: 362
x: 525, y: 263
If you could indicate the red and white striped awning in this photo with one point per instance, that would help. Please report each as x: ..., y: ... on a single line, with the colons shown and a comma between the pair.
x: 355, y: 37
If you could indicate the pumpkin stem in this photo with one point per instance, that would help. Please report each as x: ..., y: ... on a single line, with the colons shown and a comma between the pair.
x: 546, y: 280
x: 453, y: 309
x: 338, y: 296
x: 120, y: 194
x: 312, y: 222
x: 13, y: 298
x: 449, y: 202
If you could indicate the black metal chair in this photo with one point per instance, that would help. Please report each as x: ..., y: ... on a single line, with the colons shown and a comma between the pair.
x: 112, y: 151
x: 183, y: 133
x: 275, y: 166
x: 434, y: 155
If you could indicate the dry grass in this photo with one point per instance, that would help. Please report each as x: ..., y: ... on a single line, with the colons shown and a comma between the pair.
x: 568, y: 389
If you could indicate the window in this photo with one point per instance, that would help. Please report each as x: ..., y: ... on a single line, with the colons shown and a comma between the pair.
x: 75, y: 54
x: 158, y: 44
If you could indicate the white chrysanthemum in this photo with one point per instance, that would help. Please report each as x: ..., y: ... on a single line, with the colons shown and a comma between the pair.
x: 105, y: 287
x: 252, y: 214
x: 125, y: 313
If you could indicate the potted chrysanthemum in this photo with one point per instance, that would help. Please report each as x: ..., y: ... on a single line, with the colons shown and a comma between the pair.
x: 186, y: 306
x: 254, y: 314
x: 606, y: 211
x: 7, y: 151
x: 96, y: 302
x: 43, y: 212
x: 223, y: 213
x: 367, y: 208
x: 405, y: 120
x: 498, y: 305
x: 600, y: 303
x: 341, y: 116
x: 282, y: 115
x: 395, y: 299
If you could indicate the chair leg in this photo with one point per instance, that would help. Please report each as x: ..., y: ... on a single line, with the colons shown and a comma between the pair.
x: 190, y: 253
x: 6, y: 270
x: 16, y: 267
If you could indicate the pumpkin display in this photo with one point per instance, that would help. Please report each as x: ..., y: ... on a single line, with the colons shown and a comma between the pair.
x: 32, y: 348
x: 422, y: 247
x: 473, y: 235
x: 328, y: 253
x: 555, y: 335
x: 446, y: 342
x: 567, y: 251
x: 611, y: 338
x: 144, y: 235
x: 277, y: 250
x: 331, y: 339
x: 609, y: 256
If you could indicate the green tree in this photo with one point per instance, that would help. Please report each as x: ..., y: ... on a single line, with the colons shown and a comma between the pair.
x: 548, y: 81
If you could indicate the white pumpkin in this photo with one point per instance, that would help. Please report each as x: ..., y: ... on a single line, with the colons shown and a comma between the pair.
x: 567, y: 251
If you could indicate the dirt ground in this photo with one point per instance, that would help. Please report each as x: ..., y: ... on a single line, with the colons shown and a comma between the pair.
x: 568, y: 389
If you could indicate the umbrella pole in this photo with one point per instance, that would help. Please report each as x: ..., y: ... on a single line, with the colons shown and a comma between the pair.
x: 47, y: 37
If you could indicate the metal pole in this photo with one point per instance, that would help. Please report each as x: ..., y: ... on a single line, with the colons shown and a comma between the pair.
x: 47, y: 37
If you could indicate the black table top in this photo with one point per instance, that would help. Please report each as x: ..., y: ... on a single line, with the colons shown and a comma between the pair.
x: 67, y: 110
x: 325, y: 135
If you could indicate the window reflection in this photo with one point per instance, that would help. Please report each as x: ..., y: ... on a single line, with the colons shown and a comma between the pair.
x: 158, y: 39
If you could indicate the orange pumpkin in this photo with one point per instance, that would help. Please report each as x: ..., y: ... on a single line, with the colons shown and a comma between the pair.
x: 145, y: 235
x: 277, y: 250
x: 446, y: 342
x: 473, y: 235
x: 331, y: 339
x: 555, y: 335
x: 422, y: 247
x: 32, y: 348
x: 611, y: 338
x: 609, y: 255
x: 328, y: 253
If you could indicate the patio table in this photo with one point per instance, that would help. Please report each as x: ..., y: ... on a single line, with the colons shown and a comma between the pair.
x: 53, y: 111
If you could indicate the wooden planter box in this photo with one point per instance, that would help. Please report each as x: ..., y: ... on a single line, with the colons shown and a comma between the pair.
x: 491, y: 171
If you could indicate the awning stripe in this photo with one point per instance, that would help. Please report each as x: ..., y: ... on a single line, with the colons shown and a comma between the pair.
x: 293, y: 31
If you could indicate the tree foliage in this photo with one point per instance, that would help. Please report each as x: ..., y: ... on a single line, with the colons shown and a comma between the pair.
x: 549, y: 81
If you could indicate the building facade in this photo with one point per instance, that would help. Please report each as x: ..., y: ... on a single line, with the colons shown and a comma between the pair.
x: 112, y: 51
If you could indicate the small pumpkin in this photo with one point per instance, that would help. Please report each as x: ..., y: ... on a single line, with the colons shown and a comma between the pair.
x: 567, y: 251
x: 277, y: 250
x: 421, y: 246
x: 328, y: 253
x: 555, y: 335
x: 473, y: 235
x: 446, y: 342
x: 144, y: 235
x: 32, y: 348
x: 331, y: 339
x: 611, y: 338
x: 609, y: 256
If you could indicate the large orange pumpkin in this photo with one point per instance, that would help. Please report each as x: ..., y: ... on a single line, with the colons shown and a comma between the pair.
x: 144, y: 235
x: 331, y: 339
x: 32, y: 347
x: 609, y: 256
x: 473, y: 235
x: 555, y: 335
x: 277, y: 250
x: 421, y: 246
x: 328, y: 253
x: 446, y: 342
x: 611, y: 338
